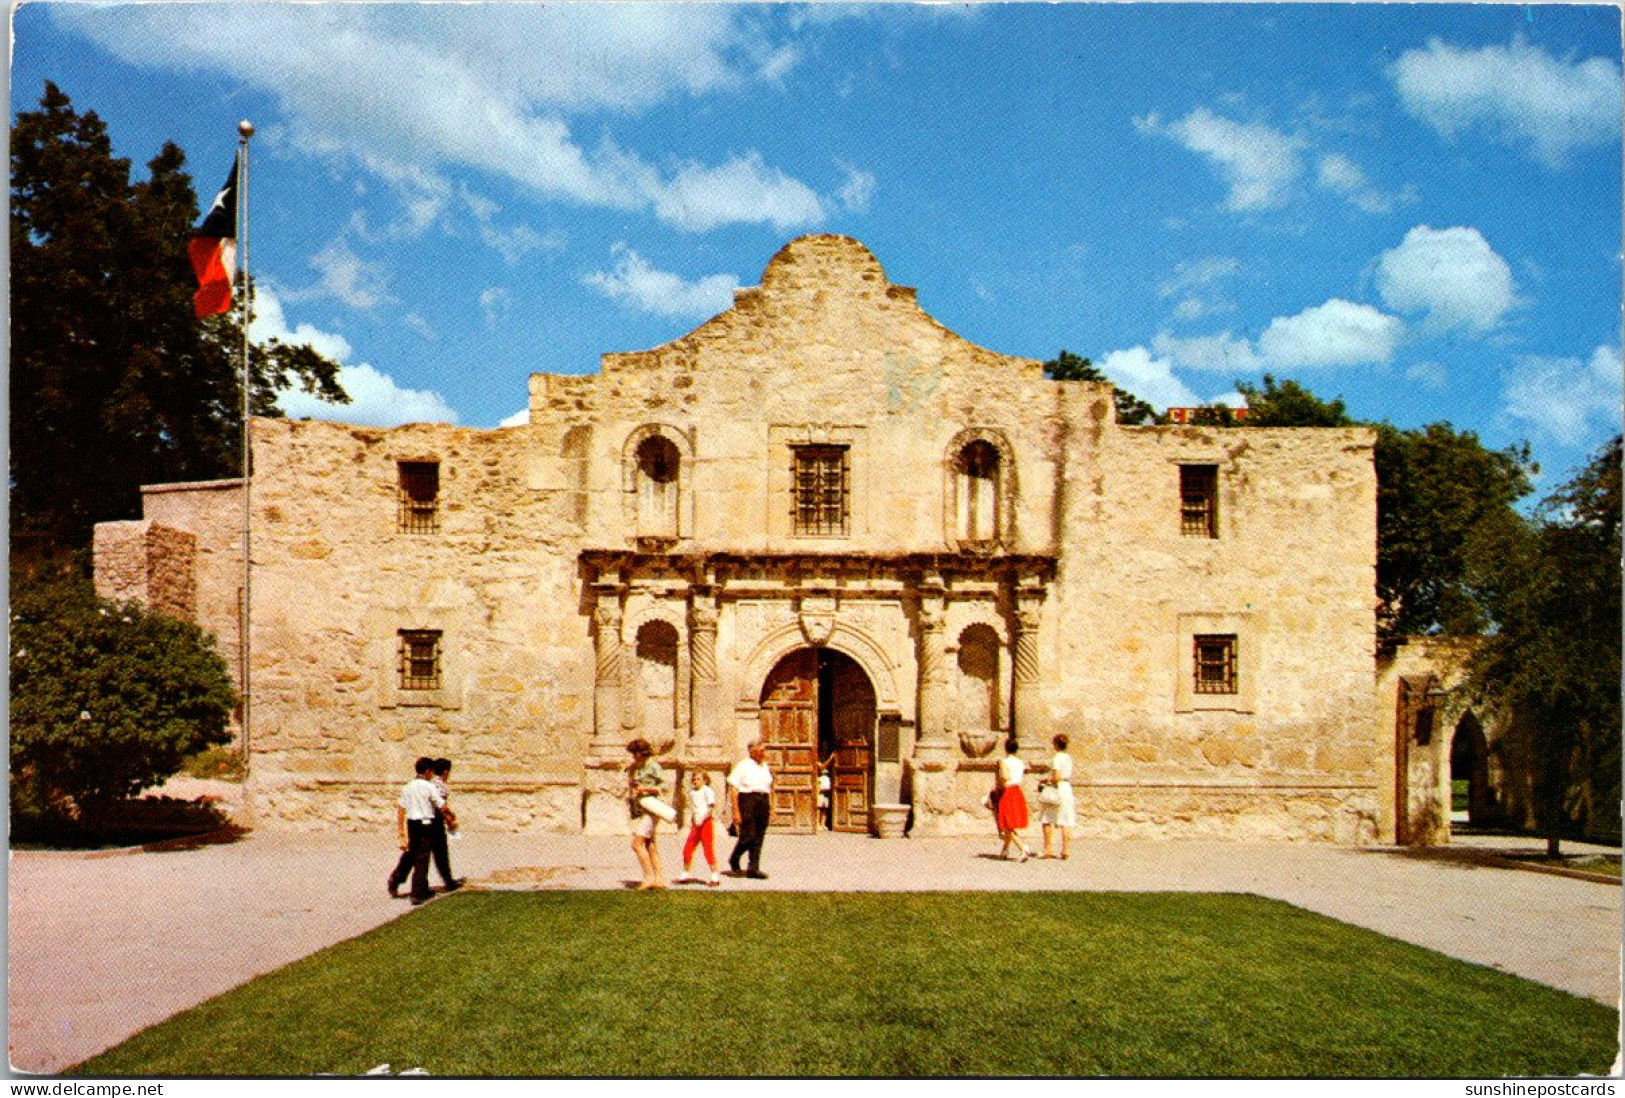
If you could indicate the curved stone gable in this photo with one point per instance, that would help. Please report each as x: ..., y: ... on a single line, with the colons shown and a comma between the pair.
x: 824, y: 302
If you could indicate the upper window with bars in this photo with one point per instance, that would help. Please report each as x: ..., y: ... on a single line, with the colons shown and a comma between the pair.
x: 820, y: 503
x: 419, y: 496
x: 1199, y: 501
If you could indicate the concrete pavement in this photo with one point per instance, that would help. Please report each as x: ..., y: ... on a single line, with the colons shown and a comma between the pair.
x: 103, y: 946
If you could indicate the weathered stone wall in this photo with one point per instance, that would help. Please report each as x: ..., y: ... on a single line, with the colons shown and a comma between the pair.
x: 1291, y: 574
x: 143, y: 561
x: 335, y: 582
x: 211, y: 512
x: 1076, y: 613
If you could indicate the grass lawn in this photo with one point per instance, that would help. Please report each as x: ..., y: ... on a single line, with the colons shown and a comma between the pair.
x: 727, y: 984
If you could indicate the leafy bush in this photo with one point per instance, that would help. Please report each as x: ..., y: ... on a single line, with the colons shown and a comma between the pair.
x: 219, y: 763
x: 107, y: 698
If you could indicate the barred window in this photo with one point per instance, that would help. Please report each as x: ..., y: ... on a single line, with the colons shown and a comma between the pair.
x: 419, y: 497
x: 819, y: 490
x: 420, y: 659
x: 1216, y: 664
x: 1199, y: 501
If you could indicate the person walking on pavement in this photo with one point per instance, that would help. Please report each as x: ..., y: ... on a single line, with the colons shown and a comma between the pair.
x: 701, y: 802
x: 414, y: 821
x: 750, y: 787
x: 645, y: 784
x: 445, y: 824
x: 1012, y: 810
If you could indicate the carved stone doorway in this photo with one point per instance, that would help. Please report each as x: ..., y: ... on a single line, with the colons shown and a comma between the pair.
x: 819, y: 705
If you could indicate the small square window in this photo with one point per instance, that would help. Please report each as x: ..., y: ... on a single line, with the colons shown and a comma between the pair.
x: 1215, y: 664
x: 420, y: 659
x: 419, y: 497
x: 819, y: 490
x: 1199, y: 501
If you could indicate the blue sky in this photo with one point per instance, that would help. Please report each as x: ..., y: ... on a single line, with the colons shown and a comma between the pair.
x: 1414, y: 207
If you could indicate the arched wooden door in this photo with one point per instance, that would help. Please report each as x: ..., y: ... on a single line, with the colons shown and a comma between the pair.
x: 852, y: 720
x: 789, y: 724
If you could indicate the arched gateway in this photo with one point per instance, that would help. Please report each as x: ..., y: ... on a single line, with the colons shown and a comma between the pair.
x: 817, y: 711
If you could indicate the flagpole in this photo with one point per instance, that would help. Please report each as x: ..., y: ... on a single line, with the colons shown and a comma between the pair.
x: 245, y: 130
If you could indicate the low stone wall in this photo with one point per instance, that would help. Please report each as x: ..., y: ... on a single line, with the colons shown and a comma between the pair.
x: 544, y: 806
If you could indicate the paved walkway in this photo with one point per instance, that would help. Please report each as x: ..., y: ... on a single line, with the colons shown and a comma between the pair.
x: 103, y: 946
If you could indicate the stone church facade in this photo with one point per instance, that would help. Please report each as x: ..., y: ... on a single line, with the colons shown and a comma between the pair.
x: 822, y: 518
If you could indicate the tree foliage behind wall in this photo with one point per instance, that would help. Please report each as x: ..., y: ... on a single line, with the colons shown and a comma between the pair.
x: 114, y: 382
x: 1551, y: 584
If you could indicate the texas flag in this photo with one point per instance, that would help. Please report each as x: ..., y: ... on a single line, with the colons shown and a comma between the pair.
x: 213, y: 250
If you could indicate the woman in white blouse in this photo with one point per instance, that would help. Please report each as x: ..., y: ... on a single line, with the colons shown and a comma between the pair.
x: 1012, y: 810
x: 1058, y: 810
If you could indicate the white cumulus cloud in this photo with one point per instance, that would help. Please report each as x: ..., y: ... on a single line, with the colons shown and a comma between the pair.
x: 271, y: 322
x: 1518, y: 94
x: 1150, y: 378
x: 1338, y: 333
x: 409, y: 89
x: 1567, y: 399
x: 636, y: 282
x: 1259, y: 163
x: 375, y: 401
x: 744, y: 189
x: 1451, y: 275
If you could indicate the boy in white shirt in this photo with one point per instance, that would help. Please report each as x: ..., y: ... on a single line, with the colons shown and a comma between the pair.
x: 415, y: 814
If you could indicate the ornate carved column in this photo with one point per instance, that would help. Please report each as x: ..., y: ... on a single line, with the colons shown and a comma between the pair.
x: 932, y: 735
x: 608, y: 700
x: 1025, y: 709
x: 705, y: 732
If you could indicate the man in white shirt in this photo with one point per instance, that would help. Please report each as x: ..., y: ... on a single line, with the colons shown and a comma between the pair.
x: 750, y: 785
x: 414, y: 820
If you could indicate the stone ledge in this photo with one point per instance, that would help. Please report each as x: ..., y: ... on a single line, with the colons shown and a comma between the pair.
x: 457, y: 786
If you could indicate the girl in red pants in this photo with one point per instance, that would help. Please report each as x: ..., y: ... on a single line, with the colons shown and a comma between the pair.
x: 701, y: 802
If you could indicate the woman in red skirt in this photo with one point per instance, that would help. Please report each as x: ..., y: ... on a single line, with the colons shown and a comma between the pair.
x: 1012, y: 812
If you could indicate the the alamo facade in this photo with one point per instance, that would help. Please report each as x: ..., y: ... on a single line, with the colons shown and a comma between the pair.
x: 822, y: 518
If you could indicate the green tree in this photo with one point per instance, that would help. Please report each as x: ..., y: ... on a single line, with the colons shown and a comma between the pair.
x: 1436, y: 487
x: 1552, y: 663
x: 1288, y: 404
x: 107, y: 698
x: 1067, y: 366
x: 114, y: 382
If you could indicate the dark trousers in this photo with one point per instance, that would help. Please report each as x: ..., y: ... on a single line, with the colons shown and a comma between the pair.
x: 442, y: 856
x: 415, y: 858
x: 437, y: 849
x: 755, y: 809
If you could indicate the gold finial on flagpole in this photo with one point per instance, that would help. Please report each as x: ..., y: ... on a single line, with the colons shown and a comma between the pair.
x: 246, y: 128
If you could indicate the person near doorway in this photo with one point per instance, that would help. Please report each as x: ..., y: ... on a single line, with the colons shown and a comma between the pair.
x: 701, y: 802
x: 826, y: 788
x: 1012, y: 801
x: 750, y: 788
x: 645, y: 779
x: 414, y: 821
x: 1055, y: 799
x: 445, y: 825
